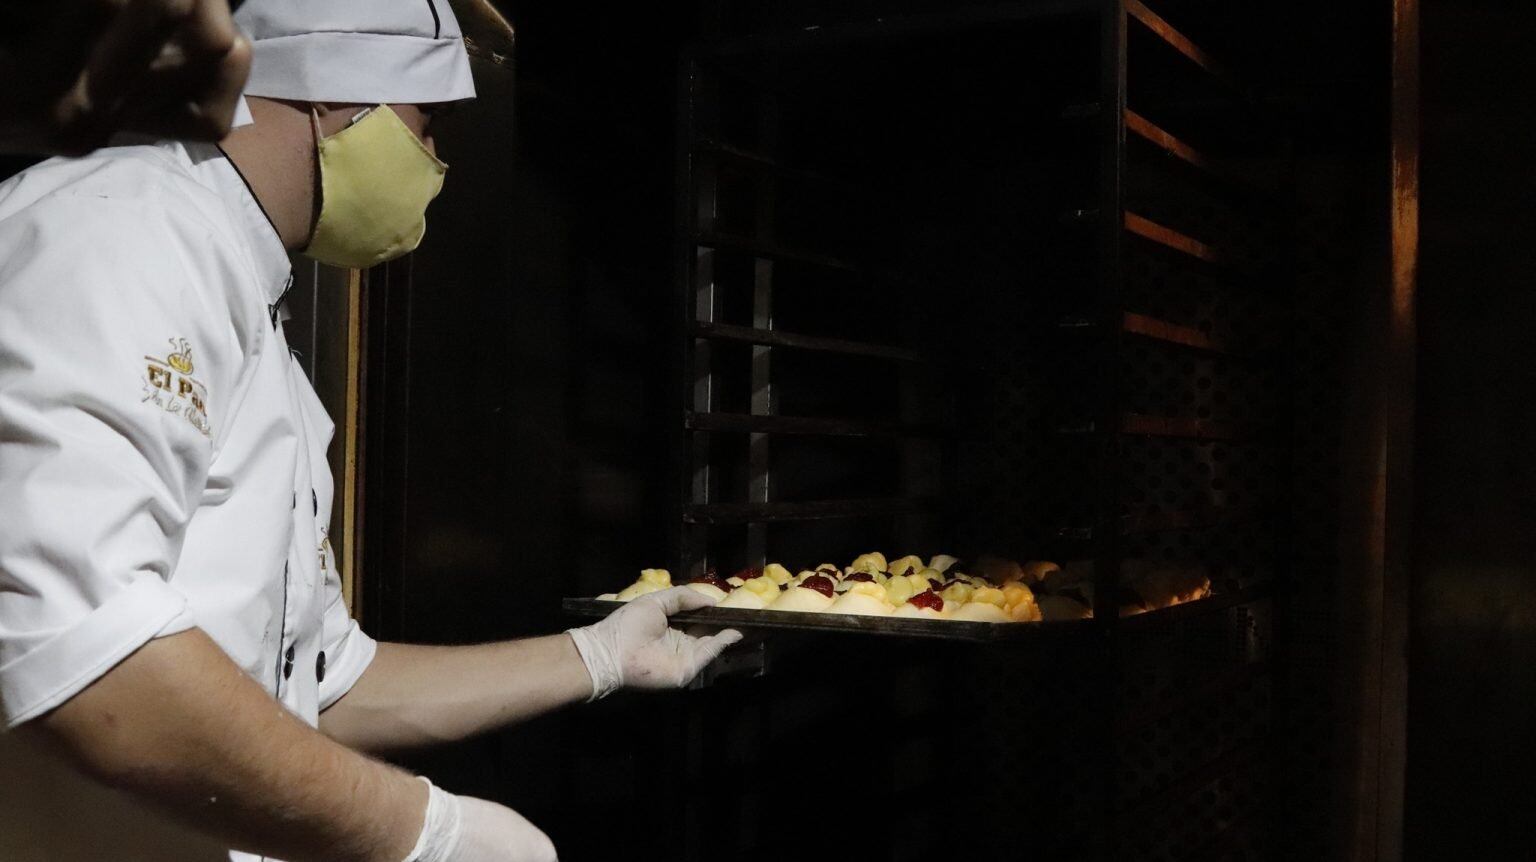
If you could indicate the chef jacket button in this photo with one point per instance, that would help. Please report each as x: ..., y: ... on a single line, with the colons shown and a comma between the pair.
x: 320, y: 667
x: 289, y: 654
x: 287, y: 668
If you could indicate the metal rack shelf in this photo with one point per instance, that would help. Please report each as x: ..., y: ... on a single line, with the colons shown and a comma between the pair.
x: 1156, y: 180
x: 1161, y: 235
x: 796, y: 341
x: 1149, y: 521
x: 1185, y: 427
x: 768, y: 250
x: 746, y: 423
x: 1188, y: 427
x: 760, y: 162
x: 895, y: 28
x: 1224, y: 181
x: 1167, y: 237
x: 1203, y: 607
x: 1179, y: 42
x: 1241, y: 190
x: 813, y: 510
x: 1190, y: 519
x: 1157, y: 329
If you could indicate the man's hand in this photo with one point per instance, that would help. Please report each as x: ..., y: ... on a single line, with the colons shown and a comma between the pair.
x: 78, y: 71
x: 465, y: 829
x: 635, y: 647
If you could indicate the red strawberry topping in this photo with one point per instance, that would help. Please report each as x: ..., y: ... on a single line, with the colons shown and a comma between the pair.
x: 820, y: 584
x: 927, y: 599
x: 713, y: 579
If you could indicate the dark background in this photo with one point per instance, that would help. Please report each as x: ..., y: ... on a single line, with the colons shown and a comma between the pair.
x: 520, y: 400
x: 1472, y: 669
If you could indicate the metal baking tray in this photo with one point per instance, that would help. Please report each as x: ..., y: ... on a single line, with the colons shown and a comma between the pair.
x: 742, y: 618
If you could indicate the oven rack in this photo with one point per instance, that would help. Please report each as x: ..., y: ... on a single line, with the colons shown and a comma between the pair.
x: 1120, y: 231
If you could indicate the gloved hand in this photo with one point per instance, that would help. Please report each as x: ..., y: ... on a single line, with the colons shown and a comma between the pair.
x: 635, y: 647
x: 465, y: 829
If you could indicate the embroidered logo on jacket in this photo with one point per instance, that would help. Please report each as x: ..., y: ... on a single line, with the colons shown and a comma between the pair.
x: 169, y: 385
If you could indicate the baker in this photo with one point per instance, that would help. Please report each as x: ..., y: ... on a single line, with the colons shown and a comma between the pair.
x: 179, y: 675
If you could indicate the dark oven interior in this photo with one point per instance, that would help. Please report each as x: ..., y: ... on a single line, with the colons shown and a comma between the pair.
x: 1022, y: 280
x: 1056, y: 279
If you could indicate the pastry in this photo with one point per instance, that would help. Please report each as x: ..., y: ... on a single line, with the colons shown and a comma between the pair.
x: 651, y: 580
x: 846, y: 582
x: 980, y: 612
x: 924, y: 605
x: 934, y: 577
x: 872, y: 562
x: 1020, y: 604
x: 998, y: 570
x: 863, y: 598
x: 942, y: 563
x: 711, y: 585
x: 754, y: 594
x: 814, y: 594
x: 743, y: 576
x: 1036, y: 571
x: 906, y: 565
x: 777, y: 573
x: 1063, y: 607
x: 990, y: 605
x: 958, y: 592
x: 1166, y: 587
x: 899, y: 589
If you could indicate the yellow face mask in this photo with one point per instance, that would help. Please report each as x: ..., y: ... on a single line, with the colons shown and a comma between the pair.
x: 376, y: 179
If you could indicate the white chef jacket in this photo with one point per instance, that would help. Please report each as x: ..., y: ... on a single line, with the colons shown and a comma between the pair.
x: 162, y: 466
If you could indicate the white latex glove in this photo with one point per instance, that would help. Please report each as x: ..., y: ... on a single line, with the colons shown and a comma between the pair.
x: 635, y: 647
x: 466, y: 829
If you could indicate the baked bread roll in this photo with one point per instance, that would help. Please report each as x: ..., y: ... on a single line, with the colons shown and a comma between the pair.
x: 651, y: 581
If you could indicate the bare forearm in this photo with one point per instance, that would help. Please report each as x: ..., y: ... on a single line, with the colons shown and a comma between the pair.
x: 421, y: 695
x: 178, y: 725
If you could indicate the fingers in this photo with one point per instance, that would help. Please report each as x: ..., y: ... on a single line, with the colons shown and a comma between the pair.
x: 702, y: 651
x: 220, y: 59
x: 171, y: 68
x: 495, y: 833
x: 190, y: 102
x: 709, y: 648
x: 138, y: 36
x: 679, y: 599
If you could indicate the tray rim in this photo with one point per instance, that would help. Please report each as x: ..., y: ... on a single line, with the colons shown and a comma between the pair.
x: 972, y: 632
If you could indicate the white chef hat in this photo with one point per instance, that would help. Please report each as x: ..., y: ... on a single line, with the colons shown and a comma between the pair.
x: 364, y: 51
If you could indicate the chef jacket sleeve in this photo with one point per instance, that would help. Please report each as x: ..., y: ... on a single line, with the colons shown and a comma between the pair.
x: 348, y: 650
x: 114, y: 360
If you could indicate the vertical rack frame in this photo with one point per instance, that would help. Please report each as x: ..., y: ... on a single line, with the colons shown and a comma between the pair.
x: 1110, y: 310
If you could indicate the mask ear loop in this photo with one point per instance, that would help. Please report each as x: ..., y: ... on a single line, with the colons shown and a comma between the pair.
x: 314, y: 124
